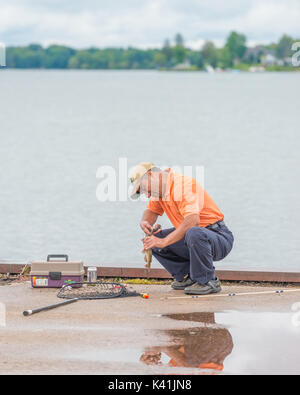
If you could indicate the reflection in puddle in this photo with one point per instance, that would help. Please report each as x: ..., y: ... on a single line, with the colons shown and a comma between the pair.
x: 230, y: 342
x: 203, y: 347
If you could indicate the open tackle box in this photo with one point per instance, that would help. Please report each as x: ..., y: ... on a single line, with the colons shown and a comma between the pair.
x: 56, y: 272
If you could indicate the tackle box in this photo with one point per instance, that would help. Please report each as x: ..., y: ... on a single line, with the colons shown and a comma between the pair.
x: 56, y: 272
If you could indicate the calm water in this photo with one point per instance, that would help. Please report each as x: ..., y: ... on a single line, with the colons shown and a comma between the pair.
x: 58, y: 127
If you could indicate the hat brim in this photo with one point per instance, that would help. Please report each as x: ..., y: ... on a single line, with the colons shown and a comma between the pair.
x: 135, y: 193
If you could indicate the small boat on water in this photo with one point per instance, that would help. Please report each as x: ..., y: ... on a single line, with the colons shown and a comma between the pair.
x: 209, y: 69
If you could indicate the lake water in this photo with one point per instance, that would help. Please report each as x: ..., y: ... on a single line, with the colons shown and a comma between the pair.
x: 58, y: 127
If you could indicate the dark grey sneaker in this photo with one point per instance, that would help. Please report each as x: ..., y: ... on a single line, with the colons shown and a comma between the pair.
x: 212, y: 287
x: 180, y: 285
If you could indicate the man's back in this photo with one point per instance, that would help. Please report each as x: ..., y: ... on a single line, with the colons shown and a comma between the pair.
x: 185, y: 196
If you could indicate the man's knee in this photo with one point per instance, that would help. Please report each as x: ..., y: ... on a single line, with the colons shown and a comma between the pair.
x: 156, y: 251
x: 195, y: 234
x: 164, y: 233
x: 160, y: 234
x: 159, y: 252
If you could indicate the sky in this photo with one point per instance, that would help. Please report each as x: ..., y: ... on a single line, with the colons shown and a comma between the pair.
x: 144, y: 23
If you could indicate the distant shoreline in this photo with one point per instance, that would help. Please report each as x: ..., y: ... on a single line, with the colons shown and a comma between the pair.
x: 174, y: 55
x: 266, y: 70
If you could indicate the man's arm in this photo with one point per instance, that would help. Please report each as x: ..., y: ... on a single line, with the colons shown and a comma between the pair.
x: 178, y: 234
x: 148, y: 220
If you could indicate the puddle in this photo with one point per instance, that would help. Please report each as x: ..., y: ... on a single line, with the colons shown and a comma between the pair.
x: 231, y: 342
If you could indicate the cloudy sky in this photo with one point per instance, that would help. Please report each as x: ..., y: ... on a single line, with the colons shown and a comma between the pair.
x: 144, y: 23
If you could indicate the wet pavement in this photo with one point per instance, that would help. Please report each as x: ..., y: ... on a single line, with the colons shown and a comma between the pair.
x: 256, y: 334
x: 232, y: 342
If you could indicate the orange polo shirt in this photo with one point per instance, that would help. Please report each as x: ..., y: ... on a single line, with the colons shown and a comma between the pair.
x: 185, y: 196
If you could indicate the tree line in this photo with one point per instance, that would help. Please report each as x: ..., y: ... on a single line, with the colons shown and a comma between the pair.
x: 172, y: 54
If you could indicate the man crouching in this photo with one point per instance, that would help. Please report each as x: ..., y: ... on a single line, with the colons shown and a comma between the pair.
x: 199, y: 236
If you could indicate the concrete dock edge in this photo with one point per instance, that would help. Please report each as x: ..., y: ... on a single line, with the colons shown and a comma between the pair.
x: 132, y: 272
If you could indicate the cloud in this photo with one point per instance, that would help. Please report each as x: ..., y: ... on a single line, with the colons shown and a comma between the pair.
x: 144, y: 23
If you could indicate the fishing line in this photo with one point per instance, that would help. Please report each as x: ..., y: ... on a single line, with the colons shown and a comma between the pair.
x: 277, y: 292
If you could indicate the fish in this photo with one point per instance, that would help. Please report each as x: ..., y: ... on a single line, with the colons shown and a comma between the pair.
x: 148, y: 253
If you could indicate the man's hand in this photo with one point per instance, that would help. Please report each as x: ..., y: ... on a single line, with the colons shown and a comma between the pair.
x: 153, y: 241
x: 148, y: 220
x: 146, y: 227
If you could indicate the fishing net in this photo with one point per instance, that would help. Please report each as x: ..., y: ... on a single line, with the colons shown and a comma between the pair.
x: 98, y: 290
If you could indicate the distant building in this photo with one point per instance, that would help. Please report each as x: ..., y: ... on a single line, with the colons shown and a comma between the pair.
x: 265, y: 56
x: 254, y: 54
x: 269, y: 60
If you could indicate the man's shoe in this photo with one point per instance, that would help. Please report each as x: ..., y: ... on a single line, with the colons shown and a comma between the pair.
x: 183, y: 284
x: 212, y: 287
